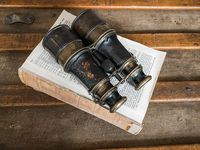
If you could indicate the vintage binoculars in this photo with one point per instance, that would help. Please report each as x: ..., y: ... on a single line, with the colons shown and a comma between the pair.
x: 108, y: 52
x: 92, y: 52
x: 69, y: 51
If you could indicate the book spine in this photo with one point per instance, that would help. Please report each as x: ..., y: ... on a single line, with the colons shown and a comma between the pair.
x: 69, y: 97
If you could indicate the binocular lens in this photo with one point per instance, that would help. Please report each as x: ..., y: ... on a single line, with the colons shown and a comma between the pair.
x: 77, y: 59
x: 105, y: 42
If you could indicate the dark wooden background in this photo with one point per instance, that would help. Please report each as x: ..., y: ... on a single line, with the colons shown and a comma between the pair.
x: 32, y: 120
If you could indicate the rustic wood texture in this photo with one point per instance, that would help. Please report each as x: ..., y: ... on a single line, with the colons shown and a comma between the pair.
x: 21, y: 95
x: 181, y: 66
x: 65, y: 127
x: 9, y: 64
x: 160, y: 41
x: 178, y: 66
x: 46, y: 123
x: 169, y: 147
x: 125, y: 21
x: 104, y: 4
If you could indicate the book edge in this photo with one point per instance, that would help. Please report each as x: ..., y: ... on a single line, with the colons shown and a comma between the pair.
x: 41, y: 84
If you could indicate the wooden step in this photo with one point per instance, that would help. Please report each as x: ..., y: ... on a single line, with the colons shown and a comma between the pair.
x: 105, y: 4
x: 65, y: 127
x: 33, y: 120
x: 165, y: 92
x: 178, y: 66
x: 124, y: 21
x: 160, y: 41
x: 168, y: 147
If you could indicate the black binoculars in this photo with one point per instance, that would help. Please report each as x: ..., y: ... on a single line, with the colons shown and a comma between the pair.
x: 92, y: 52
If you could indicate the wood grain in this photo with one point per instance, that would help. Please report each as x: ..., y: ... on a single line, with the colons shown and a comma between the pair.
x: 65, y: 127
x: 181, y: 66
x: 9, y: 64
x: 178, y: 66
x: 173, y: 115
x: 168, y: 147
x: 126, y: 21
x: 160, y: 41
x: 104, y: 4
x: 21, y: 95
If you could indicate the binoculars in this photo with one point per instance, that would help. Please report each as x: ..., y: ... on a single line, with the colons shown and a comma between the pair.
x: 92, y: 52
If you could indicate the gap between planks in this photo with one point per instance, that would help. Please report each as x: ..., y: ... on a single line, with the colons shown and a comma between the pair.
x: 167, y: 147
x: 106, y: 4
x: 160, y: 41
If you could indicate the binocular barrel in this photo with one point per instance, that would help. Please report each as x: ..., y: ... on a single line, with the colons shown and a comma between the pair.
x: 71, y: 53
x: 108, y: 51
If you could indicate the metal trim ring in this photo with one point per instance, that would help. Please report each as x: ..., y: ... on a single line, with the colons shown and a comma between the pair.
x: 118, y: 104
x: 132, y: 72
x: 64, y: 47
x: 91, y: 30
x: 74, y: 56
x: 109, y: 32
x: 131, y: 59
x: 93, y: 90
x: 60, y: 50
x: 77, y: 17
x: 146, y: 80
x: 103, y: 98
x: 139, y: 67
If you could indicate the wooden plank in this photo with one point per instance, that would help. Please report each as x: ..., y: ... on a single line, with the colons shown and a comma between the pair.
x: 126, y: 21
x: 21, y: 95
x: 168, y: 147
x: 20, y: 41
x: 64, y: 127
x: 176, y: 91
x: 160, y: 41
x: 9, y: 64
x: 178, y: 66
x: 168, y: 41
x: 104, y: 4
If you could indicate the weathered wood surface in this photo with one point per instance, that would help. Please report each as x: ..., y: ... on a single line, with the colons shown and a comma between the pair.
x: 21, y: 95
x: 105, y: 4
x: 125, y: 21
x: 65, y: 127
x: 169, y: 147
x: 47, y: 126
x: 160, y: 41
x: 178, y: 66
x: 9, y: 64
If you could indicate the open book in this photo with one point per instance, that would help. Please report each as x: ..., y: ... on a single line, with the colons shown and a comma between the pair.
x: 41, y: 72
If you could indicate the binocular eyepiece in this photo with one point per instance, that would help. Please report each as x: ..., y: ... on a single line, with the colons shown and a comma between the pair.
x: 95, y: 64
x: 76, y: 58
x: 108, y: 51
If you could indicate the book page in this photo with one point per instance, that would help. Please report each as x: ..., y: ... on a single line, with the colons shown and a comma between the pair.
x: 41, y: 63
